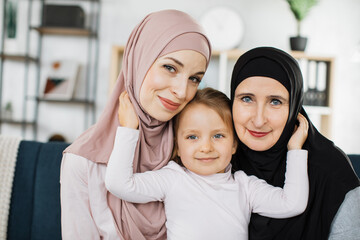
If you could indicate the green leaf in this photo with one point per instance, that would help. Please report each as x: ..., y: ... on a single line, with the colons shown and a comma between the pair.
x: 300, y: 8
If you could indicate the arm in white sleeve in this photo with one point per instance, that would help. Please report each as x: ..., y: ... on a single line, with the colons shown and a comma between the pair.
x: 120, y: 179
x: 289, y: 201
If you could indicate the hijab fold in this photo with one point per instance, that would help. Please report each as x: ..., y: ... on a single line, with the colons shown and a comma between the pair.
x: 158, y: 34
x: 330, y: 173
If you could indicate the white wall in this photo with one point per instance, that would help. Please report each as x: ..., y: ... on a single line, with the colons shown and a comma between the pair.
x: 332, y: 27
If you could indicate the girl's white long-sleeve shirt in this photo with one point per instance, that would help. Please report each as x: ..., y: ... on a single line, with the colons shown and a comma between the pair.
x: 218, y: 206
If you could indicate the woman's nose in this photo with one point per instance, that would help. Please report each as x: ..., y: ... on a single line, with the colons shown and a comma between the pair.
x: 259, y: 118
x: 179, y: 87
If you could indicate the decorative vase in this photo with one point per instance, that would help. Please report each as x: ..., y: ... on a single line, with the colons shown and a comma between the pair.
x: 11, y: 18
x: 298, y: 43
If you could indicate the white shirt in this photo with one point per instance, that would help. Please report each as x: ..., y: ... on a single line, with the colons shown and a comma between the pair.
x: 85, y: 214
x: 206, y: 207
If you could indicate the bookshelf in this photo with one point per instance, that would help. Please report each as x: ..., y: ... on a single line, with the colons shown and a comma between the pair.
x: 30, y: 99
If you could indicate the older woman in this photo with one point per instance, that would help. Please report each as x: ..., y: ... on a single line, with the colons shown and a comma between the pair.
x: 266, y: 94
x: 164, y: 61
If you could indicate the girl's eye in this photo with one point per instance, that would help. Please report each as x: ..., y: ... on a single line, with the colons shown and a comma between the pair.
x: 195, y: 80
x: 218, y: 135
x: 169, y: 68
x: 192, y: 137
x: 275, y: 102
x: 246, y: 99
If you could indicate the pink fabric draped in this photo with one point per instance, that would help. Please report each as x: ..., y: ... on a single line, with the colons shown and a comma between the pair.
x: 157, y: 34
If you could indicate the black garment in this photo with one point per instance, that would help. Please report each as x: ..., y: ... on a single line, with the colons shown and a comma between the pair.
x: 330, y: 172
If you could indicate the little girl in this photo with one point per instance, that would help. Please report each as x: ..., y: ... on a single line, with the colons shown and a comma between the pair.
x: 203, y: 199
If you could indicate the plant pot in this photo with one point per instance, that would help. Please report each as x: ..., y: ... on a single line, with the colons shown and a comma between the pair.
x: 298, y: 43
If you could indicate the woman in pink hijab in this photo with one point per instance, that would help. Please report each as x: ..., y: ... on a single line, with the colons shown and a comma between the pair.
x: 164, y: 60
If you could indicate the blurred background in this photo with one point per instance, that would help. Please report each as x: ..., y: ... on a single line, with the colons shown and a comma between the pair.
x: 331, y: 27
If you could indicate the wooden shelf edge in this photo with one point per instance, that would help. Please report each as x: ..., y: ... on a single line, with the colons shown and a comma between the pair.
x: 233, y: 54
x: 299, y: 54
x: 18, y: 57
x: 16, y: 122
x: 75, y: 101
x: 64, y: 31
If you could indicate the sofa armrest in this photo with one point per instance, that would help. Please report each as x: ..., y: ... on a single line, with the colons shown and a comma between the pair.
x: 355, y: 160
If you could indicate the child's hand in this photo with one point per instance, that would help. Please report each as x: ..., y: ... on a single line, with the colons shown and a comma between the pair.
x: 300, y: 134
x: 126, y: 113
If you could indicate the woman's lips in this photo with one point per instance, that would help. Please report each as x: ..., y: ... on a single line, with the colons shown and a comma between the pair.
x: 168, y: 104
x: 258, y: 134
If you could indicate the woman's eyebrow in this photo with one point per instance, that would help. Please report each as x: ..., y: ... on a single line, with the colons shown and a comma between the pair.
x: 182, y: 65
x: 244, y: 94
x: 200, y: 73
x: 176, y: 61
x: 279, y: 97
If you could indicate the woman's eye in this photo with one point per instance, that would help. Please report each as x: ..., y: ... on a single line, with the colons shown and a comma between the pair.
x: 218, y: 135
x: 276, y: 102
x: 191, y: 137
x: 169, y: 68
x: 246, y: 99
x: 195, y: 80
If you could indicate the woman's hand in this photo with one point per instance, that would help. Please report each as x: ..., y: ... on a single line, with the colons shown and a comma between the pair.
x: 126, y: 113
x: 300, y: 134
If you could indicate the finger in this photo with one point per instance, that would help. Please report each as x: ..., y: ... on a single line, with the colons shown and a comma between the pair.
x: 295, y: 128
x: 301, y: 119
x: 303, y: 124
x: 121, y: 97
x: 304, y: 121
x: 127, y: 101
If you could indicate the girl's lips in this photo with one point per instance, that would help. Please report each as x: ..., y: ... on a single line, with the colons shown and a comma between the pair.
x: 258, y: 134
x: 168, y: 104
x: 206, y: 159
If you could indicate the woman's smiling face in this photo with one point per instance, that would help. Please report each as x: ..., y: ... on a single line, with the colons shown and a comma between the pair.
x: 260, y: 112
x: 171, y: 83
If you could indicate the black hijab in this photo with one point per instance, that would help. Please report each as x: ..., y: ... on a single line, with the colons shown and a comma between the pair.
x: 331, y: 175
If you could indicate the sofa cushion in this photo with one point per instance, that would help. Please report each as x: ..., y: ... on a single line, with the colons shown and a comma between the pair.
x: 21, y: 206
x: 35, y: 203
x: 46, y: 222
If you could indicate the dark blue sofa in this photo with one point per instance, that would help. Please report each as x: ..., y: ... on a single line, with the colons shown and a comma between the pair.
x: 35, y: 198
x: 35, y: 202
x: 355, y: 160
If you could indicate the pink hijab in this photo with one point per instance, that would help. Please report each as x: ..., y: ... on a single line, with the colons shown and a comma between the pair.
x: 159, y: 33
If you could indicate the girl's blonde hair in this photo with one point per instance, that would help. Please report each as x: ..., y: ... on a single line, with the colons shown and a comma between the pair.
x: 212, y: 99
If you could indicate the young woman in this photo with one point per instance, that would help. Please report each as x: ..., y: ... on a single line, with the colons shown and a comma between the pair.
x: 199, y: 192
x: 264, y: 122
x: 164, y: 60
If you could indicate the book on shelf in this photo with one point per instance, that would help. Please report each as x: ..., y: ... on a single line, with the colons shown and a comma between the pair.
x: 315, y: 82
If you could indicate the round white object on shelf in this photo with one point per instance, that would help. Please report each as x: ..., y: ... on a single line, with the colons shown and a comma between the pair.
x: 224, y: 27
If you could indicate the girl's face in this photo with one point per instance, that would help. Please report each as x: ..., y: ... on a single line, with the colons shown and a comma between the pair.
x: 171, y: 83
x: 205, y: 143
x: 260, y: 112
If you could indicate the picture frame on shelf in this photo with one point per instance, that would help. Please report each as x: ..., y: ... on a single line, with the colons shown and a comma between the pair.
x: 61, y: 80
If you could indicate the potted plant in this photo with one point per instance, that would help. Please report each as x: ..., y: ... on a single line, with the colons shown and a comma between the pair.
x: 300, y: 9
x: 8, y: 111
